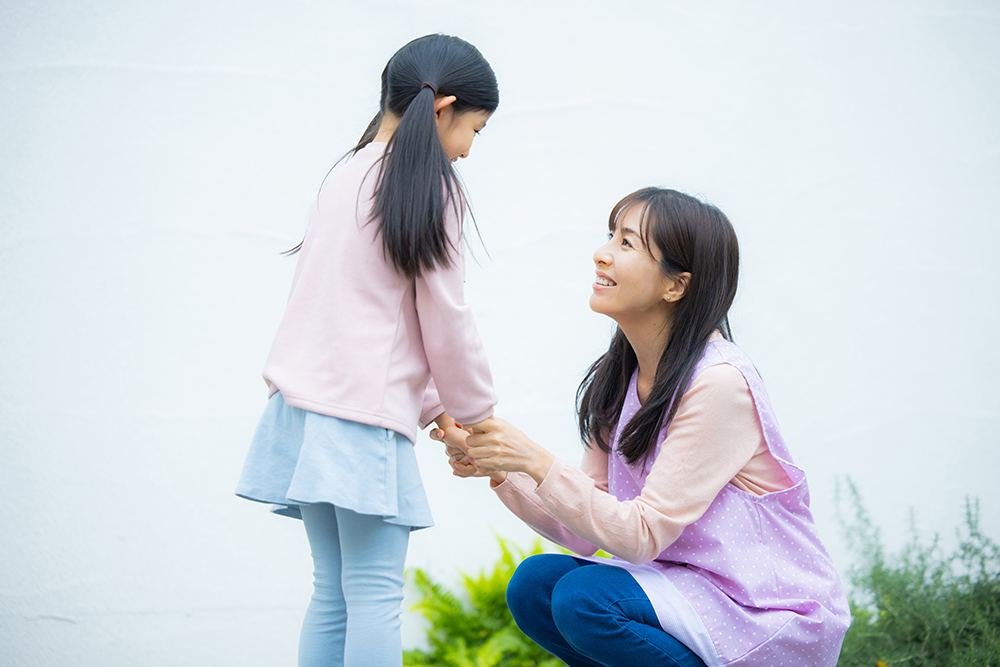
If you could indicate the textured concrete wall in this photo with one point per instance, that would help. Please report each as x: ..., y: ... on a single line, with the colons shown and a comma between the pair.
x: 156, y: 157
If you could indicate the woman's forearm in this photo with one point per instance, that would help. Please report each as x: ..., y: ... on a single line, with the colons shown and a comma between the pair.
x: 517, y: 492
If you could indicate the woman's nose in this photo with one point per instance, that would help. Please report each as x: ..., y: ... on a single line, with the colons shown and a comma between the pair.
x: 602, y: 256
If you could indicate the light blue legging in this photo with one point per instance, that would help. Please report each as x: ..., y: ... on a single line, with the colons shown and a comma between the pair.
x: 353, y: 617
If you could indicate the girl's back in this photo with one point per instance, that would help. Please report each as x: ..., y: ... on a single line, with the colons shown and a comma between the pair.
x: 359, y: 340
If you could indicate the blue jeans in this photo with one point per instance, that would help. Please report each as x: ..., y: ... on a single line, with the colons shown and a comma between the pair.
x: 591, y: 615
x: 353, y: 617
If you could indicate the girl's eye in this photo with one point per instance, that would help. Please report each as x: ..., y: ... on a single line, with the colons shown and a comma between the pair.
x: 477, y: 132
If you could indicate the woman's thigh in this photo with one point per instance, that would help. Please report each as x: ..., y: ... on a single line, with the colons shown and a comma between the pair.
x: 603, y: 613
x: 590, y: 615
x: 529, y: 598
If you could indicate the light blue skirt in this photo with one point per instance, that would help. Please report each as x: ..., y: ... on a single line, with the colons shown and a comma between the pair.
x: 298, y: 457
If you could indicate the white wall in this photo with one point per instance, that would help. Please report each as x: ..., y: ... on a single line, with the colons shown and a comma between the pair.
x: 156, y: 157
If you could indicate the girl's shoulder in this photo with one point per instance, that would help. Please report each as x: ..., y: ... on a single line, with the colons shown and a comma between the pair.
x: 365, y: 160
x: 353, y: 172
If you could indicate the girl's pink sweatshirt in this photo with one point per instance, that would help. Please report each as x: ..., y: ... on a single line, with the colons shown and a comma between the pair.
x: 361, y: 341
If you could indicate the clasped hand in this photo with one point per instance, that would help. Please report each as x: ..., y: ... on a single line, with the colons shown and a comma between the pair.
x: 493, y: 448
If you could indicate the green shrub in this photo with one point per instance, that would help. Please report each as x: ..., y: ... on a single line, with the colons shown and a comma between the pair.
x: 922, y: 607
x: 476, y: 628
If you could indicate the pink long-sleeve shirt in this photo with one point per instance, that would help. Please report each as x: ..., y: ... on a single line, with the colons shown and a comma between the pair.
x: 361, y: 341
x: 715, y: 439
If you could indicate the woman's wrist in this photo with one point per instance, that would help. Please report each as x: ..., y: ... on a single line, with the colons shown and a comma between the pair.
x: 497, y: 477
x: 540, y: 467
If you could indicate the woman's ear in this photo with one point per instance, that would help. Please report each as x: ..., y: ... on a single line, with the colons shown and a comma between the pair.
x: 442, y: 101
x: 677, y: 287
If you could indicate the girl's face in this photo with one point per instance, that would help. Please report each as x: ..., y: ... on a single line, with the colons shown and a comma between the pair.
x: 630, y: 286
x: 457, y: 130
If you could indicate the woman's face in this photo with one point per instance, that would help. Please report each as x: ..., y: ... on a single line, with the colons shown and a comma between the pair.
x: 629, y: 285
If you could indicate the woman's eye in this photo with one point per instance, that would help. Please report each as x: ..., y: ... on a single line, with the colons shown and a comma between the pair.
x: 626, y: 243
x: 610, y: 235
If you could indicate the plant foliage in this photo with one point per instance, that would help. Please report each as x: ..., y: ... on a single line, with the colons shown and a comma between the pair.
x: 922, y: 608
x: 475, y: 629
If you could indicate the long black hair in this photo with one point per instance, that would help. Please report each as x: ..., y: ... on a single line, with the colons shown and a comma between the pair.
x: 416, y: 180
x: 692, y: 237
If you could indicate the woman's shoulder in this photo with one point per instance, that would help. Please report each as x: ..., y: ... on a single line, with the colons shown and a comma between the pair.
x: 720, y: 379
x: 720, y: 351
x: 724, y: 377
x: 720, y: 372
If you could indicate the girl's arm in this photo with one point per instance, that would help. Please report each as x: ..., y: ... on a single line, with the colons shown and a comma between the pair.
x: 444, y: 422
x: 431, y: 408
x: 714, y: 434
x: 462, y: 384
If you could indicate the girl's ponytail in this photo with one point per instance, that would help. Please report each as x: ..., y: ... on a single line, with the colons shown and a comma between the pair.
x: 416, y: 178
x: 410, y: 197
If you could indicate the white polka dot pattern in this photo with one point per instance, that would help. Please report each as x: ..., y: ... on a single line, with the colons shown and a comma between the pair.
x: 753, y: 566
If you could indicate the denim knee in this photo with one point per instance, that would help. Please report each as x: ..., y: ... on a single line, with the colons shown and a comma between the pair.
x: 530, y: 586
x: 585, y: 603
x: 573, y: 605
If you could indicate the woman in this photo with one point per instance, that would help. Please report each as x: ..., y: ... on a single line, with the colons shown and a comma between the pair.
x: 716, y: 556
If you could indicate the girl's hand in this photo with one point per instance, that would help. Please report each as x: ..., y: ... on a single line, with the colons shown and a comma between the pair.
x: 497, y: 446
x: 452, y: 436
x: 461, y: 464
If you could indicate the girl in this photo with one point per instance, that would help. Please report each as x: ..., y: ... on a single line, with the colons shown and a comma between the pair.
x: 685, y: 479
x: 376, y: 339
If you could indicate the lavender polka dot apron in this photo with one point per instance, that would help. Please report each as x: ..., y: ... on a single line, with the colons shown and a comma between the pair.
x: 749, y: 583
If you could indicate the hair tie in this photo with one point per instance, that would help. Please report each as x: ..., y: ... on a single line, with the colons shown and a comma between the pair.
x: 427, y: 84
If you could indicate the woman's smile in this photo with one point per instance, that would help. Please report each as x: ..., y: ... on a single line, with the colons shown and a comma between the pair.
x: 603, y: 281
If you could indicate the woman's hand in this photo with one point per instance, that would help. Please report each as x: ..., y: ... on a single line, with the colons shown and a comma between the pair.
x: 463, y: 466
x: 454, y: 446
x: 495, y: 445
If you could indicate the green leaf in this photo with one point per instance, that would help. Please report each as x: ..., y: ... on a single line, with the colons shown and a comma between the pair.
x: 922, y: 607
x: 474, y: 628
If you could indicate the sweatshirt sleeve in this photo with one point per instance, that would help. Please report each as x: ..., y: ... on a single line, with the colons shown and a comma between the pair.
x: 712, y: 437
x: 431, y: 407
x: 455, y: 353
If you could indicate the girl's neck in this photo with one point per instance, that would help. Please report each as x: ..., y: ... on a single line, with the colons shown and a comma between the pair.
x: 648, y: 339
x: 387, y: 127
